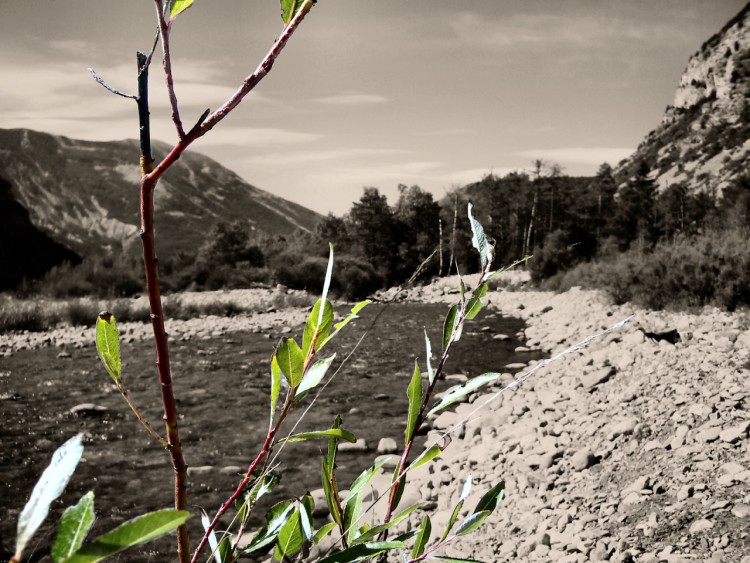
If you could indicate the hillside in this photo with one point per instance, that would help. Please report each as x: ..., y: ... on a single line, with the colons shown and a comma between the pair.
x: 85, y: 194
x: 703, y: 140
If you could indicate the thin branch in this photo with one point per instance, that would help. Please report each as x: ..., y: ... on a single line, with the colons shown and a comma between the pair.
x: 140, y: 417
x: 147, y: 62
x: 164, y: 29
x: 109, y: 88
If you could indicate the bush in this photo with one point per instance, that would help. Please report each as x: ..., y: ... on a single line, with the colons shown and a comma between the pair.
x: 709, y: 269
x: 353, y: 278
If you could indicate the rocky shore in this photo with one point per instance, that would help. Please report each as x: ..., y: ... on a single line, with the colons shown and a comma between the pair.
x: 631, y: 450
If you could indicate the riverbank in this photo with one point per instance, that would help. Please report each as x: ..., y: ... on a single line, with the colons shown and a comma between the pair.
x: 632, y: 450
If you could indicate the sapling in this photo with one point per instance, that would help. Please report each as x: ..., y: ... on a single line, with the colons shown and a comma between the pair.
x: 296, y: 370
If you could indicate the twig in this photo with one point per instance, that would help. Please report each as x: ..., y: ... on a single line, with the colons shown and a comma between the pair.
x: 164, y: 29
x: 139, y: 416
x: 109, y: 88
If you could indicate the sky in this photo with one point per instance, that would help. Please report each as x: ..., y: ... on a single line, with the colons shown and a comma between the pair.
x: 436, y: 93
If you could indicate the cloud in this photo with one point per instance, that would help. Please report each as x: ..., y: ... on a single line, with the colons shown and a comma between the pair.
x: 579, y: 155
x: 352, y: 99
x: 300, y: 157
x: 256, y: 137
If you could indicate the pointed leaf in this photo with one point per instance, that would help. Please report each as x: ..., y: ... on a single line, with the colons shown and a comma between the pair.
x: 491, y: 498
x: 134, y: 532
x: 276, y: 517
x: 491, y: 275
x: 323, y: 532
x: 365, y: 477
x: 290, y: 539
x: 291, y: 361
x: 426, y: 456
x: 275, y: 383
x: 313, y: 376
x: 466, y: 489
x: 49, y: 487
x: 450, y: 325
x: 179, y: 6
x: 306, y: 508
x: 428, y: 352
x: 317, y: 327
x: 423, y: 537
x: 399, y: 488
x: 475, y: 303
x: 326, y: 282
x: 454, y: 559
x: 376, y: 530
x: 479, y: 241
x: 463, y: 390
x: 472, y: 523
x: 74, y: 525
x: 352, y: 510
x: 108, y: 343
x: 289, y: 8
x: 352, y: 315
x: 452, y: 519
x: 362, y: 552
x: 414, y: 392
x: 338, y: 433
x: 213, y: 543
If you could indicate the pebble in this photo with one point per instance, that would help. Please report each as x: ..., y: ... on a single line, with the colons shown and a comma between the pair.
x: 583, y: 459
x: 387, y: 446
x: 359, y: 446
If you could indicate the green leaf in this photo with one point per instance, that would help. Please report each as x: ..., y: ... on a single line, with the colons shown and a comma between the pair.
x: 414, y: 392
x: 179, y: 6
x: 399, y: 492
x: 352, y: 510
x: 213, y: 543
x: 260, y: 487
x: 134, y: 532
x: 329, y: 480
x: 323, y: 532
x: 479, y: 241
x: 365, y: 477
x: 491, y: 498
x: 362, y: 552
x: 327, y: 281
x: 428, y: 353
x: 338, y: 433
x: 317, y: 327
x: 108, y: 343
x: 275, y: 383
x: 451, y: 325
x: 313, y: 376
x: 225, y: 553
x: 49, y: 487
x: 352, y: 315
x: 426, y: 456
x: 291, y: 361
x: 74, y: 525
x: 376, y: 530
x: 454, y: 559
x: 289, y: 8
x: 276, y: 517
x: 290, y: 539
x: 472, y: 523
x: 475, y: 303
x: 463, y: 390
x: 306, y: 507
x: 464, y: 494
x: 422, y: 538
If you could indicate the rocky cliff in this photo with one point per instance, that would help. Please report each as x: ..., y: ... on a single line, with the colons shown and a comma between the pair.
x: 703, y: 140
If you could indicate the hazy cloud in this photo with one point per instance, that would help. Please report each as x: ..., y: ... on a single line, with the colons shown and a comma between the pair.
x: 299, y: 157
x: 352, y: 99
x: 579, y: 155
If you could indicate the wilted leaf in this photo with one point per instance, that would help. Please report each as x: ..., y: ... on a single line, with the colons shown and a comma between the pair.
x: 108, y: 343
x: 49, y: 487
x: 134, y: 532
x: 463, y: 390
x: 74, y: 525
x: 414, y: 392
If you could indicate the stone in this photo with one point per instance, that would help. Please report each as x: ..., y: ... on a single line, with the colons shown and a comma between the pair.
x: 732, y: 435
x: 741, y: 510
x: 593, y: 380
x: 623, y: 428
x: 387, y: 446
x: 709, y: 435
x: 583, y: 459
x: 700, y: 525
x: 359, y: 446
x: 89, y: 410
x: 198, y: 470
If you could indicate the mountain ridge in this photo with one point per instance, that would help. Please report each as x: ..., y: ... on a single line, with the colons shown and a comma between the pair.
x: 85, y: 194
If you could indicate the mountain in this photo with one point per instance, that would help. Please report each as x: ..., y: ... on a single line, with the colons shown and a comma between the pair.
x: 85, y: 195
x: 703, y: 140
